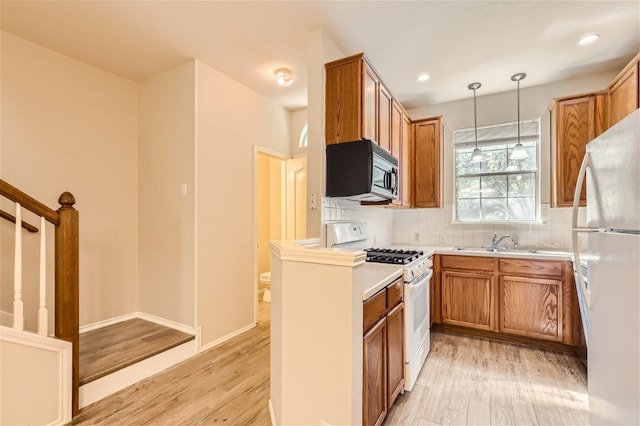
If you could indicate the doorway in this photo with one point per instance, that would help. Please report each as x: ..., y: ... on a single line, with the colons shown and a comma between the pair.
x: 281, y: 187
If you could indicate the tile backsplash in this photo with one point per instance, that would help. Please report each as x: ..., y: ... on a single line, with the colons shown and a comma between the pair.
x: 380, y: 219
x: 435, y: 227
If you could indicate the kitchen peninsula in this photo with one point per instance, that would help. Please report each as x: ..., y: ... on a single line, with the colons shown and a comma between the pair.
x: 316, y: 332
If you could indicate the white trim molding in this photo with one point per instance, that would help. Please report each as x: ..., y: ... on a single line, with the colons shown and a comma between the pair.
x: 294, y: 252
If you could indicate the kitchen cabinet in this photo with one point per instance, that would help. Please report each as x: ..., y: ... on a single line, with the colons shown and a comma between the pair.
x: 357, y: 104
x: 468, y: 292
x: 384, y: 117
x: 574, y: 123
x: 524, y: 299
x: 427, y: 149
x: 624, y: 95
x: 383, y: 352
x: 406, y: 163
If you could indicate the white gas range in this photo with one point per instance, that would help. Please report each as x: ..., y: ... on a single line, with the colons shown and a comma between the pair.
x: 417, y: 272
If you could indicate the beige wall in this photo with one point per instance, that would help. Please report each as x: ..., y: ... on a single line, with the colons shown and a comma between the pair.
x: 269, y: 209
x: 231, y: 121
x: 67, y: 126
x: 502, y: 107
x: 167, y: 218
x: 298, y: 121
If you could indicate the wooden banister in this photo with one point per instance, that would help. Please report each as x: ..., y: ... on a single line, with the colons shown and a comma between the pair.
x: 28, y: 202
x: 11, y: 218
x: 67, y: 271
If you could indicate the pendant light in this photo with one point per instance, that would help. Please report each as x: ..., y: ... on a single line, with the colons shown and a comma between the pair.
x: 476, y: 157
x: 518, y: 152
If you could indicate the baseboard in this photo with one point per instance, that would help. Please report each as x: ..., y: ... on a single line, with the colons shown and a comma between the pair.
x: 272, y: 415
x: 167, y: 323
x: 227, y: 337
x: 114, y: 382
x: 147, y: 317
x: 107, y: 322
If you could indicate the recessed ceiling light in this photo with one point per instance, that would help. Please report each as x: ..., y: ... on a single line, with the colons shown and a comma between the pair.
x: 423, y: 77
x: 588, y: 39
x: 284, y: 76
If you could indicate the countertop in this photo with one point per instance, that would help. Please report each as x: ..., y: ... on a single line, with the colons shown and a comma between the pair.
x: 373, y: 277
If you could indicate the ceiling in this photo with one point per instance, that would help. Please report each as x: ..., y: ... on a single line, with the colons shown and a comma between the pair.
x: 455, y: 42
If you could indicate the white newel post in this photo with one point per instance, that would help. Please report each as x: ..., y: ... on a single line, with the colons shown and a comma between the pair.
x: 18, y: 316
x: 43, y: 313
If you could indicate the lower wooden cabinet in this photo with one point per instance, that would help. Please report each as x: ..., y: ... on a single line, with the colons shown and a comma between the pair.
x: 375, y: 374
x: 467, y: 299
x: 531, y: 307
x: 524, y: 298
x: 383, y: 352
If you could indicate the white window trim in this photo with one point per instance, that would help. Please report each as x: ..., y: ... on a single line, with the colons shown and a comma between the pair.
x: 538, y: 208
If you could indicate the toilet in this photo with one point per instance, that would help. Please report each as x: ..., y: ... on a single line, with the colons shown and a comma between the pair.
x: 265, y: 283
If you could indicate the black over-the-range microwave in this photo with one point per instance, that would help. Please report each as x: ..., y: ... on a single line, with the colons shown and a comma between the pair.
x: 361, y: 170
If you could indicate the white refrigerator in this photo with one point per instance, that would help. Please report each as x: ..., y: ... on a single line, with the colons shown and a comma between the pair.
x: 610, y: 296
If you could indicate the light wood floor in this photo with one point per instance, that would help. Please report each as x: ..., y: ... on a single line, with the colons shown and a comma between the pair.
x: 473, y: 381
x: 464, y: 381
x: 117, y: 346
x: 228, y: 384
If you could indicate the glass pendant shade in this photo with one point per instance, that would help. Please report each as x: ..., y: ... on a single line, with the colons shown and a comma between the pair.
x: 518, y: 152
x: 477, y: 156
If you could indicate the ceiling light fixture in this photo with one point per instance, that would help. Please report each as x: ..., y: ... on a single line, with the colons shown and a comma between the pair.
x: 476, y: 157
x: 284, y: 76
x: 518, y: 152
x: 423, y: 77
x: 588, y: 39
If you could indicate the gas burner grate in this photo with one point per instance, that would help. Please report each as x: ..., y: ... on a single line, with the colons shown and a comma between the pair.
x: 395, y: 256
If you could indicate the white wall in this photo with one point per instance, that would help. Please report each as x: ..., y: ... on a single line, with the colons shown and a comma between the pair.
x: 231, y: 121
x: 167, y: 218
x: 321, y: 49
x: 67, y: 126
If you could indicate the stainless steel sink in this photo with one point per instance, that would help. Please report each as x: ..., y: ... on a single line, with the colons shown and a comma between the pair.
x: 510, y: 251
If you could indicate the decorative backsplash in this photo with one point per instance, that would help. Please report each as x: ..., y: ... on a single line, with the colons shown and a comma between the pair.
x: 434, y: 227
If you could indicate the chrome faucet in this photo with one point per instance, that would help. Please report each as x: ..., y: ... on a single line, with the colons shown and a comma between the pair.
x: 495, y: 240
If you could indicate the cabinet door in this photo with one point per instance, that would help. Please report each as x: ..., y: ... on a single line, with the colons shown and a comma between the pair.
x: 427, y: 172
x: 574, y: 129
x: 406, y: 162
x: 384, y: 117
x: 395, y: 350
x: 467, y: 299
x: 531, y: 307
x: 370, y: 105
x: 343, y: 102
x: 396, y: 145
x: 374, y: 402
x: 623, y: 95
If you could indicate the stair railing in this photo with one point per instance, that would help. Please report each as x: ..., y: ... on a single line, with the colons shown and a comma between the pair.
x: 67, y: 277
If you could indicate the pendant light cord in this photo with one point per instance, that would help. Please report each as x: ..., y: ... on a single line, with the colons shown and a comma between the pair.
x: 518, y: 111
x: 475, y: 117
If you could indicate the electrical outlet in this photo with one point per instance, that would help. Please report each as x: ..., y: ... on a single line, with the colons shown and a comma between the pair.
x: 416, y: 237
x: 442, y: 238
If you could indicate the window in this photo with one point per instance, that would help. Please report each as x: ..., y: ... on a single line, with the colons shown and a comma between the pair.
x: 497, y: 189
x: 302, y: 141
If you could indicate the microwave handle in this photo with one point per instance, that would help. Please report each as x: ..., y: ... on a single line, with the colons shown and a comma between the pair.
x: 394, y: 181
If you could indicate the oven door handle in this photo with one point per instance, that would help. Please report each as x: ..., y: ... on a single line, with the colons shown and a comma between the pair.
x: 421, y: 281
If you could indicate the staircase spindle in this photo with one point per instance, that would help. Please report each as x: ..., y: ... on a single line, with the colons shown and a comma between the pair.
x: 43, y: 313
x: 18, y: 314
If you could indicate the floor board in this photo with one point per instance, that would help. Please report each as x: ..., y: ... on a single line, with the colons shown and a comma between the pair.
x: 120, y: 345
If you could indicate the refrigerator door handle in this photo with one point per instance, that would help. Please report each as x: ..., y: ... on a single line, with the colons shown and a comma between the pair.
x: 575, y: 230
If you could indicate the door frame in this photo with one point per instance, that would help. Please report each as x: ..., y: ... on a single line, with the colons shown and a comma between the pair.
x: 284, y: 157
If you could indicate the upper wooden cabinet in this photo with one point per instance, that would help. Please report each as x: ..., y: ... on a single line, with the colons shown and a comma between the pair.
x: 427, y: 149
x: 624, y: 95
x: 357, y: 104
x: 577, y: 120
x: 574, y: 123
